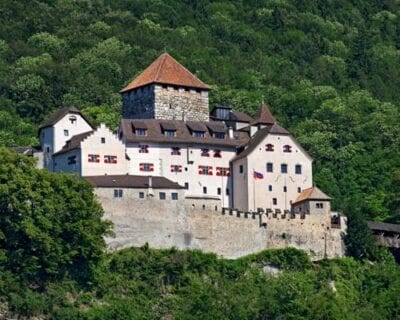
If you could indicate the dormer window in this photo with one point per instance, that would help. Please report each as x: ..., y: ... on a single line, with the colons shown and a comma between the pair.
x: 269, y: 147
x: 141, y: 132
x: 219, y: 135
x: 72, y: 119
x: 199, y: 134
x: 287, y: 148
x: 169, y: 133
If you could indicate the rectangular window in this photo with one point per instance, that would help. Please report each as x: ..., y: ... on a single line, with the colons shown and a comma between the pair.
x: 298, y: 189
x: 241, y: 169
x: 162, y: 195
x: 270, y: 167
x: 103, y: 140
x: 284, y: 189
x: 224, y: 172
x: 66, y: 133
x: 94, y: 158
x: 169, y: 133
x: 110, y: 159
x: 205, y: 170
x: 176, y: 168
x: 205, y: 152
x: 270, y: 187
x: 298, y: 169
x: 217, y: 153
x: 72, y: 160
x: 219, y: 135
x: 118, y: 193
x: 199, y: 134
x: 175, y: 151
x: 227, y: 191
x: 274, y: 201
x: 141, y: 195
x: 146, y: 167
x: 319, y: 205
x: 205, y: 190
x: 174, y: 196
x: 283, y: 168
x: 141, y: 132
x: 186, y: 185
x: 143, y: 148
x: 219, y: 191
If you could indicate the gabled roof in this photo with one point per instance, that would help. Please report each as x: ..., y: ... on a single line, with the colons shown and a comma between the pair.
x: 381, y: 226
x: 74, y: 142
x: 312, y: 193
x: 240, y: 116
x: 263, y: 116
x: 61, y: 113
x: 259, y: 137
x: 132, y: 181
x: 166, y: 70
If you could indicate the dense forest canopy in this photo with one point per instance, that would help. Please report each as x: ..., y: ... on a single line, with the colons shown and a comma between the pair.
x: 330, y: 70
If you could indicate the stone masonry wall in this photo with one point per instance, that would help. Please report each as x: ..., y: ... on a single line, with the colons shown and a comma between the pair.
x: 169, y: 103
x: 231, y: 234
x: 181, y: 104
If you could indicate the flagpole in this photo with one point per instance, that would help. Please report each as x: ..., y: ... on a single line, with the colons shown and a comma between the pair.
x: 254, y: 192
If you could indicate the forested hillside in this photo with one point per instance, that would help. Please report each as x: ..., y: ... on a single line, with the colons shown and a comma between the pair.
x: 330, y: 70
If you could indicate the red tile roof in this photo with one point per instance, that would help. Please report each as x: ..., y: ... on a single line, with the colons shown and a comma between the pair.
x: 312, y: 193
x: 166, y: 70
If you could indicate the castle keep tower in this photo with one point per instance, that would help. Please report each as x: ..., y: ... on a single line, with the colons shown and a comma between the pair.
x: 166, y: 90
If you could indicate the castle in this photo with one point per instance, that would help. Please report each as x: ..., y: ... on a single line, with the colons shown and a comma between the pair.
x: 176, y: 175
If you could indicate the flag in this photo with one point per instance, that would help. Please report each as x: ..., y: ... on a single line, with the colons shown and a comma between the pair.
x: 257, y: 175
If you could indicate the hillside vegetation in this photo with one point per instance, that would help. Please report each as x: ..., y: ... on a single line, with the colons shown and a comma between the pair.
x: 330, y: 70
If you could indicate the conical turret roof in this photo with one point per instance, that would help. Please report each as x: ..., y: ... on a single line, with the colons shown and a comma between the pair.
x: 263, y: 116
x: 166, y: 70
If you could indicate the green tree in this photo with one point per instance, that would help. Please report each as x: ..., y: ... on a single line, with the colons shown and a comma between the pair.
x: 50, y: 224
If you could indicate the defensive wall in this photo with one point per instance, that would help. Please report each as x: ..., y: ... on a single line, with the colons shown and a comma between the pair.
x: 206, y: 226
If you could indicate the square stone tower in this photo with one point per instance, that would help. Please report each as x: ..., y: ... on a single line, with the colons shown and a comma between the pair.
x: 166, y: 90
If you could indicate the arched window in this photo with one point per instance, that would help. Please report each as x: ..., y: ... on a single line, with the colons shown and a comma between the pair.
x: 269, y: 147
x: 287, y: 148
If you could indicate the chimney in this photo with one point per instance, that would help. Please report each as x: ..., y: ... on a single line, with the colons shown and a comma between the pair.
x: 230, y: 132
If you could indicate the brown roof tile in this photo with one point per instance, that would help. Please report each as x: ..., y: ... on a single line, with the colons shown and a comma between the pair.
x: 166, y: 70
x: 313, y: 193
x: 183, y: 133
x: 59, y: 114
x: 382, y: 226
x: 74, y: 142
x: 263, y: 116
x: 132, y: 181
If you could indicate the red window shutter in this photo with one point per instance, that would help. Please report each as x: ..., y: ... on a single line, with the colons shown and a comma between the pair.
x: 180, y: 169
x: 141, y: 167
x: 97, y: 158
x: 151, y: 167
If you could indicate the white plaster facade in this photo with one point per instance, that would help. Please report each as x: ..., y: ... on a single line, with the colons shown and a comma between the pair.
x: 251, y: 193
x: 54, y: 136
x: 186, y: 167
x: 99, y: 153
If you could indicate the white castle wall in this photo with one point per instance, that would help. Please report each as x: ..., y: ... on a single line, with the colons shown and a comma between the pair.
x: 164, y: 224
